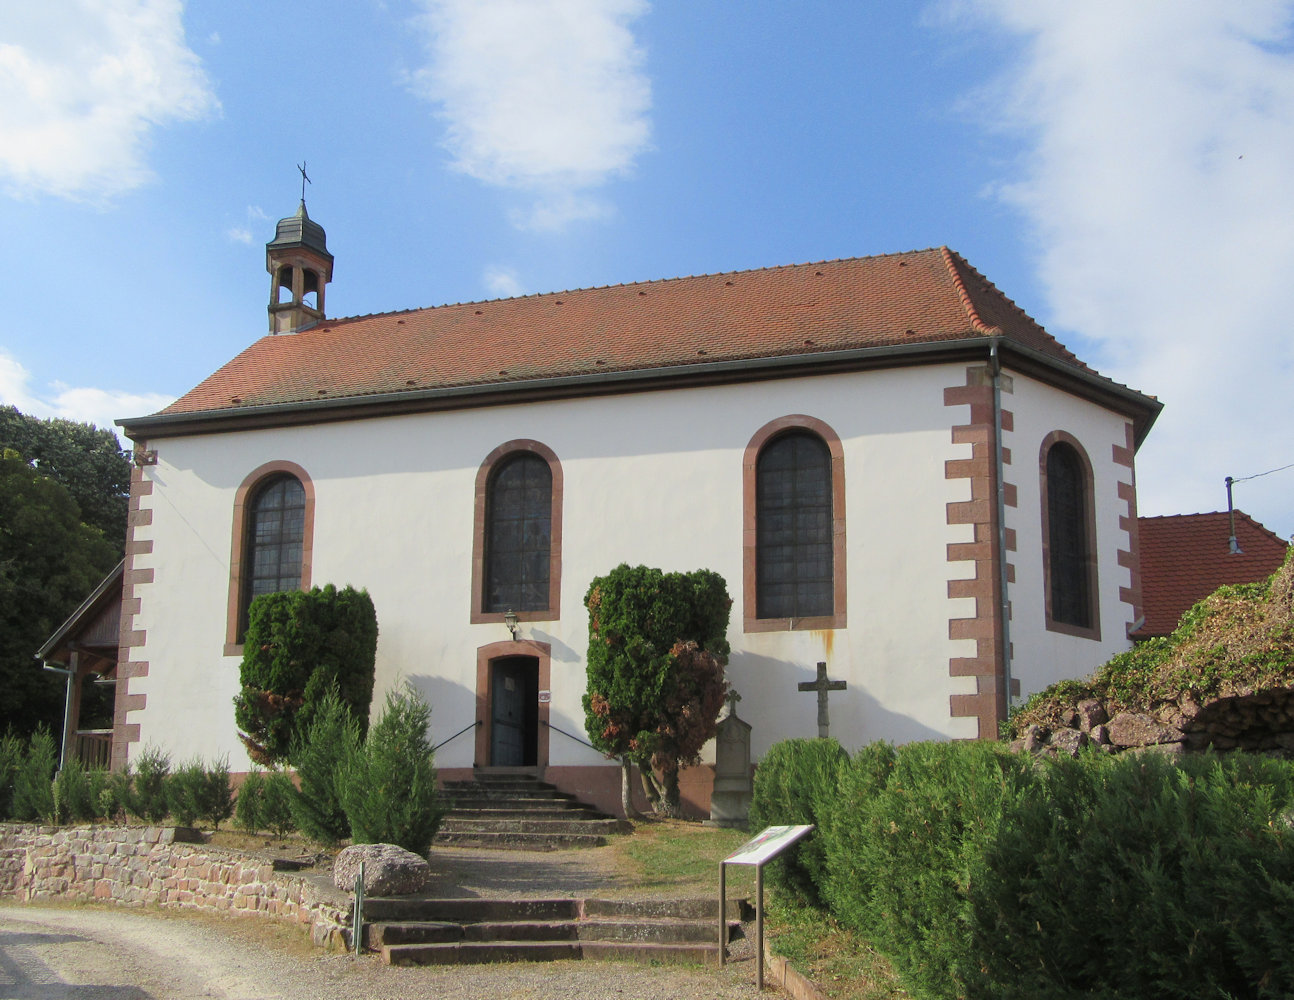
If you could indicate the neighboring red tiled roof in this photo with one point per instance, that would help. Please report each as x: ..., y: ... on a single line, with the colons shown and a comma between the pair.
x: 1186, y: 557
x: 925, y: 296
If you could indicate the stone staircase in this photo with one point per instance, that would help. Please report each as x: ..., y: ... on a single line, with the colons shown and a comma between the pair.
x: 520, y: 812
x: 463, y: 931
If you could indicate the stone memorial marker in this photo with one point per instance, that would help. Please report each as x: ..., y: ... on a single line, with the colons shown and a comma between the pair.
x: 730, y: 800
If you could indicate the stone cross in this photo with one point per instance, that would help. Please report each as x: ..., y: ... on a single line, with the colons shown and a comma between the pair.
x: 822, y: 686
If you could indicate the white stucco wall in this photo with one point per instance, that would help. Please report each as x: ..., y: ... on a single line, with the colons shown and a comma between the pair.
x: 651, y: 478
x: 1042, y: 656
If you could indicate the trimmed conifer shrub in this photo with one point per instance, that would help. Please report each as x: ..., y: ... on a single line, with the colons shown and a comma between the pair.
x: 276, y: 804
x: 795, y: 783
x: 300, y: 645
x: 76, y: 792
x: 33, y: 783
x: 148, y: 798
x: 919, y: 851
x: 1135, y: 877
x: 215, y: 798
x: 323, y: 755
x: 251, y: 797
x: 117, y: 795
x: 390, y: 791
x: 11, y: 753
x: 657, y: 646
x: 184, y: 792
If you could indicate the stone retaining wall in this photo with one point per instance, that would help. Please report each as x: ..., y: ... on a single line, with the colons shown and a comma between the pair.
x: 1254, y: 721
x: 138, y: 866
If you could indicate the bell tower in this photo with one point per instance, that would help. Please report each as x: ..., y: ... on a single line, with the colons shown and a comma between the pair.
x: 300, y: 266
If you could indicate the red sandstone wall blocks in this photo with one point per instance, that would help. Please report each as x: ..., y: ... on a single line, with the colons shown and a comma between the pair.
x: 134, y: 867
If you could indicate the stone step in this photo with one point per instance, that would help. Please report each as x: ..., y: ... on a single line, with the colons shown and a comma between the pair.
x: 659, y: 931
x: 480, y: 824
x: 479, y: 952
x: 528, y: 785
x: 469, y: 911
x: 691, y: 908
x: 485, y: 795
x: 656, y: 931
x: 378, y: 935
x: 453, y: 931
x: 498, y: 840
x: 651, y: 954
x: 503, y: 809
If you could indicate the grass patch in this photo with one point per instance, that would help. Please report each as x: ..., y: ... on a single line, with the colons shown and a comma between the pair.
x: 841, y: 964
x: 680, y: 855
x: 684, y: 858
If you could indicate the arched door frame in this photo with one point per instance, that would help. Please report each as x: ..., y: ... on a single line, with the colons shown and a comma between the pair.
x: 505, y: 649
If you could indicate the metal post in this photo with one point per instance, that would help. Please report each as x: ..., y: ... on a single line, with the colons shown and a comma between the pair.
x: 1232, y: 543
x: 723, y: 913
x: 357, y: 920
x: 759, y: 927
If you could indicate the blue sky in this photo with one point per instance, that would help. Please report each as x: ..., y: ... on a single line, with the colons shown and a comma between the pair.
x: 1123, y: 171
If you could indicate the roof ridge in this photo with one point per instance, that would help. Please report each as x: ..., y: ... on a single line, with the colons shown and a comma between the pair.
x: 950, y: 259
x: 647, y: 281
x: 1165, y: 517
x: 1263, y: 528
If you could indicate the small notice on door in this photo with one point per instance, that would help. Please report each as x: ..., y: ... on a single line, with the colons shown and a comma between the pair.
x: 545, y: 697
x: 509, y: 684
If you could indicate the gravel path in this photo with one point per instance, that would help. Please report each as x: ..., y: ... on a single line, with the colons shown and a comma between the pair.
x: 97, y: 953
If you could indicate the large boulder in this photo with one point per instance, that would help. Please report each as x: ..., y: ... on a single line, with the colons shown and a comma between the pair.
x: 388, y: 870
x: 1132, y: 729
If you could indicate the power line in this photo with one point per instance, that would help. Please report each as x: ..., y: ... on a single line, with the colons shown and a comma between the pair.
x: 1233, y: 543
x: 1259, y: 475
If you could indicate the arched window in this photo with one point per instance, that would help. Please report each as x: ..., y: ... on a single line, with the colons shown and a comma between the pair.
x: 795, y: 513
x: 1069, y: 532
x: 518, y: 534
x: 516, y: 563
x: 273, y: 520
x: 793, y: 528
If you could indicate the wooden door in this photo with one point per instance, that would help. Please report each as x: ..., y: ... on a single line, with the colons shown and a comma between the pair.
x: 514, y: 711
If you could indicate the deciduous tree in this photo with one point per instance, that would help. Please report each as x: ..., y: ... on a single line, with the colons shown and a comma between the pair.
x: 88, y: 460
x: 49, y: 562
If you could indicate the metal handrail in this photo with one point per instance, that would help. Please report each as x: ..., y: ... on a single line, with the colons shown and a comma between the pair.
x: 478, y: 722
x: 572, y: 736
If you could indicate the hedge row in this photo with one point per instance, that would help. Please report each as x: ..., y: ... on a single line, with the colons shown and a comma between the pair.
x: 981, y: 873
x: 381, y: 789
x: 31, y: 790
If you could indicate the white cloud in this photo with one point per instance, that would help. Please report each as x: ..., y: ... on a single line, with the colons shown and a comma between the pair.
x: 503, y: 283
x: 1158, y: 138
x: 544, y: 96
x: 239, y: 234
x: 83, y: 404
x: 82, y: 84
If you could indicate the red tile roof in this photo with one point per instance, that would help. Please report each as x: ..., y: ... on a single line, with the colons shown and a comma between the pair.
x: 1186, y: 557
x: 925, y: 296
